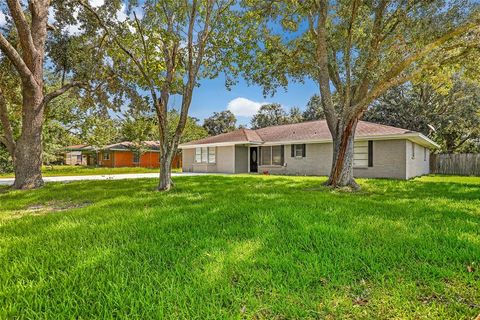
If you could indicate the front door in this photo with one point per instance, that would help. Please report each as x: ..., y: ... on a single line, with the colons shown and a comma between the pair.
x: 254, y: 159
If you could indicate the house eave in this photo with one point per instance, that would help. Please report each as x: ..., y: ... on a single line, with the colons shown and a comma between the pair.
x: 413, y: 136
x: 219, y: 144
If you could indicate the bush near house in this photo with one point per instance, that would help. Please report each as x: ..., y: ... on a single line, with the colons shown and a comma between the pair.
x: 258, y: 247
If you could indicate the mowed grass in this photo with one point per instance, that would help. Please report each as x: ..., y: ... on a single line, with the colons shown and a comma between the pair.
x: 255, y: 247
x: 56, y: 171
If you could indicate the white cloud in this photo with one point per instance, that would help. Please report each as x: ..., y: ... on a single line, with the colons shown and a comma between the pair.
x: 122, y: 13
x: 51, y: 15
x: 244, y: 107
x: 3, y: 19
x: 96, y: 3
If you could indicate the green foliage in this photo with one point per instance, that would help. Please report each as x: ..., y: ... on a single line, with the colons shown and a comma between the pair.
x: 220, y: 122
x: 269, y: 115
x: 138, y: 127
x: 274, y: 114
x: 192, y: 131
x: 143, y: 126
x: 295, y: 115
x: 286, y: 47
x: 6, y: 165
x: 99, y: 130
x: 286, y: 249
x: 314, y: 110
x: 451, y: 119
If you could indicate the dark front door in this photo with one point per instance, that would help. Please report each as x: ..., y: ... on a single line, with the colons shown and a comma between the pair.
x: 254, y: 159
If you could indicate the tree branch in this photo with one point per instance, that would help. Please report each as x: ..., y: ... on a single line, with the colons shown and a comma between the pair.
x: 372, y: 54
x: 323, y: 74
x: 348, y: 52
x: 56, y: 93
x: 16, y: 59
x: 25, y: 36
x: 114, y: 37
x: 393, y: 76
x: 401, y: 66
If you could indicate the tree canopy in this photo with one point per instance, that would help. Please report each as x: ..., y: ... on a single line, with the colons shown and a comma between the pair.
x: 452, y: 119
x: 271, y: 114
x: 220, y: 122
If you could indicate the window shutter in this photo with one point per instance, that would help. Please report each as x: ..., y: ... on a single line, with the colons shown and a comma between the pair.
x: 304, y: 151
x: 370, y: 153
x: 282, y: 157
x: 292, y: 150
x: 259, y: 156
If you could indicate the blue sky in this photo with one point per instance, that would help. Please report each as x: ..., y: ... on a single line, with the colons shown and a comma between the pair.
x: 212, y: 96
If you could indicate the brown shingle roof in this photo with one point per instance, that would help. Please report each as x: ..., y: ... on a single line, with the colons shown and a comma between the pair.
x: 128, y: 145
x: 240, y: 135
x: 75, y: 147
x: 305, y: 131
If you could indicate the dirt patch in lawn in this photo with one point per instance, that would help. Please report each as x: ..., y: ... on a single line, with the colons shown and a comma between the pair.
x: 48, y: 208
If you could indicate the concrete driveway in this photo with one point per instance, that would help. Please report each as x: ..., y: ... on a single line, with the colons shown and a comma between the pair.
x: 9, y: 181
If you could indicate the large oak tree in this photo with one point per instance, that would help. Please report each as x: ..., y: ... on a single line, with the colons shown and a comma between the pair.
x: 23, y: 42
x: 356, y: 50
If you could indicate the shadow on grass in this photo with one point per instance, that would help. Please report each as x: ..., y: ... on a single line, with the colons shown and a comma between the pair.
x: 226, y: 246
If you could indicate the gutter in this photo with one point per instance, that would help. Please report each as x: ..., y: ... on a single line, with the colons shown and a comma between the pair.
x: 413, y: 136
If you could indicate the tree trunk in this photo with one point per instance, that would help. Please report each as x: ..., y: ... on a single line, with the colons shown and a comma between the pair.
x: 341, y: 174
x: 165, y: 182
x: 28, y: 151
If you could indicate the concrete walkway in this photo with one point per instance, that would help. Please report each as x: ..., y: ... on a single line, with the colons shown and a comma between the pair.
x: 9, y: 181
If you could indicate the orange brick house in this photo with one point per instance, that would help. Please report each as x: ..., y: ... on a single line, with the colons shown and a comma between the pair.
x: 126, y: 154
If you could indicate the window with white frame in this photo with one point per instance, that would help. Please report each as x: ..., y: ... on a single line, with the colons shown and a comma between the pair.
x: 424, y: 154
x: 205, y: 155
x: 211, y: 155
x: 272, y: 155
x: 360, y: 154
x: 198, y: 155
x: 298, y: 150
x: 106, y: 156
x: 413, y: 150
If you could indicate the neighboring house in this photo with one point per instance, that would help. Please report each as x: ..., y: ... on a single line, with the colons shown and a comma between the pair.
x: 306, y: 149
x: 124, y: 154
x: 73, y: 155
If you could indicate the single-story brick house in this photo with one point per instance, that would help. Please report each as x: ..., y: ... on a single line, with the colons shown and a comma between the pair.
x: 306, y: 149
x: 124, y: 154
x: 73, y: 156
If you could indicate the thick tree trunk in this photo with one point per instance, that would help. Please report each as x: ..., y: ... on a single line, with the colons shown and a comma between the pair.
x: 341, y: 174
x: 28, y: 150
x: 165, y: 182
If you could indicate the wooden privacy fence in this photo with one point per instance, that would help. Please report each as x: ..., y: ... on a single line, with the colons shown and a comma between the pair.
x: 463, y: 164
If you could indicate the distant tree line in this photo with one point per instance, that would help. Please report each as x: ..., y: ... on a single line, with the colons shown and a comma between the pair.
x: 450, y: 117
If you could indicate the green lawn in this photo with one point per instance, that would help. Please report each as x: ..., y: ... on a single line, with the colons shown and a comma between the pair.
x: 242, y: 247
x: 56, y: 171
